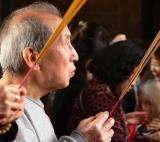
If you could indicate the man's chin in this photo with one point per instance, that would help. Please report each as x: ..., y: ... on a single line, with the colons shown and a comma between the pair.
x: 67, y: 84
x: 64, y: 85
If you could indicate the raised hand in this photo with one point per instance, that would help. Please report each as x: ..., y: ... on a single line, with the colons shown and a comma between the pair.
x: 11, y: 103
x: 137, y: 117
x: 97, y: 128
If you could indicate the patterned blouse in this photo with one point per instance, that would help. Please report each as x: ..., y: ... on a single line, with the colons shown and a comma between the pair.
x: 97, y: 97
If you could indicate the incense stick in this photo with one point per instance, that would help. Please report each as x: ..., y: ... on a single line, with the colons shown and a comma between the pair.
x: 153, y: 47
x: 71, y: 12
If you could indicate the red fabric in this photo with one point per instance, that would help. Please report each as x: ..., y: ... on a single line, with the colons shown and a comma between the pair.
x: 133, y: 132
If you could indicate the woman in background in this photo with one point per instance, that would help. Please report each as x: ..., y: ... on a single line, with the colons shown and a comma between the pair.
x: 149, y: 101
x: 112, y: 69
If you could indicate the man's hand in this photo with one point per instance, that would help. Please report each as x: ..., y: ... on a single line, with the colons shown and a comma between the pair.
x: 137, y: 117
x: 153, y: 125
x: 97, y: 128
x: 11, y: 103
x: 154, y: 137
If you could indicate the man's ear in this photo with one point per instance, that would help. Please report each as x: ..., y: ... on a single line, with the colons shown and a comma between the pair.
x: 30, y: 55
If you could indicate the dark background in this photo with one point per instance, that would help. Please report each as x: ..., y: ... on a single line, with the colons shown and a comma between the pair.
x: 135, y: 18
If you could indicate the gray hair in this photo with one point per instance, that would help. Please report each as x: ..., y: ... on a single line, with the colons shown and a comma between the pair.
x: 28, y: 32
x: 151, y: 90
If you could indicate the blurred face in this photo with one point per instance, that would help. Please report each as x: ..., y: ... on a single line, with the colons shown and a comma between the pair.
x: 58, y: 64
x: 155, y: 67
x: 150, y: 105
x: 145, y: 104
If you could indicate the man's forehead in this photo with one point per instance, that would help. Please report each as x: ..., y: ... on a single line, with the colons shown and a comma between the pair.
x: 66, y: 32
x: 53, y: 21
x: 56, y: 23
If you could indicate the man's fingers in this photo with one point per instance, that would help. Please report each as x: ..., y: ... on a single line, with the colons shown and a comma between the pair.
x: 108, y: 135
x: 13, y: 115
x: 108, y: 124
x: 12, y: 103
x: 10, y: 92
x: 16, y: 106
x: 97, y: 128
x: 101, y: 117
x: 88, y: 120
x: 11, y: 106
x: 22, y: 91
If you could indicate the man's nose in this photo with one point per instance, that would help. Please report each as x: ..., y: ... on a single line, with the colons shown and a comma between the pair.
x: 74, y: 55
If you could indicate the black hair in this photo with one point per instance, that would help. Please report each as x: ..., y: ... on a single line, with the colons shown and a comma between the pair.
x: 90, y: 38
x: 115, y: 63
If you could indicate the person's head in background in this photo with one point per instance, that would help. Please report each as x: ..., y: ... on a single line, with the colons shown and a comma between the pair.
x: 155, y: 64
x: 149, y: 98
x: 88, y: 38
x: 117, y: 38
x: 116, y: 63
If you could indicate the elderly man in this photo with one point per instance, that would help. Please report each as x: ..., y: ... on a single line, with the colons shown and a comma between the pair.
x: 22, y: 37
